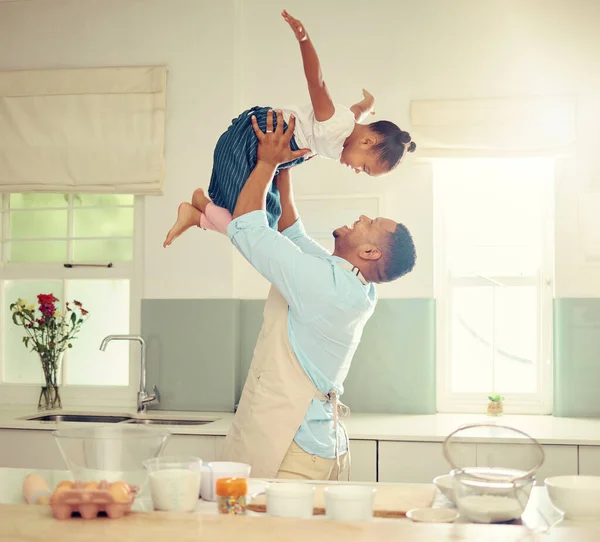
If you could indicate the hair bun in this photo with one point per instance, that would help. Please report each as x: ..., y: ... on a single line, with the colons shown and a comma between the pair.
x: 412, y: 146
x: 404, y: 137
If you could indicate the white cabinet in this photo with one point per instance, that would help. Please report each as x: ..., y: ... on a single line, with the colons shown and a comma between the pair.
x: 204, y: 447
x: 589, y: 460
x: 29, y: 449
x: 558, y: 460
x: 419, y: 462
x: 364, y: 460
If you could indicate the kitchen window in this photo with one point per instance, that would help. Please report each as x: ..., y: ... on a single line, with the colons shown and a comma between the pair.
x: 494, y: 275
x: 39, y: 234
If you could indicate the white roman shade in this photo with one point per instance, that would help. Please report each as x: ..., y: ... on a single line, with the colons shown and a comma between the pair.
x: 502, y: 127
x: 90, y: 130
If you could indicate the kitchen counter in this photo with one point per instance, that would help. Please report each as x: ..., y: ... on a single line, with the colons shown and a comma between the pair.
x: 31, y: 523
x: 382, y: 427
x: 27, y: 523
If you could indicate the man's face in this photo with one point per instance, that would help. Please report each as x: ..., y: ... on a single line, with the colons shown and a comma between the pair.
x: 364, y: 231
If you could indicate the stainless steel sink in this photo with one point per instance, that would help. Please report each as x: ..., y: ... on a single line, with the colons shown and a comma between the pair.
x: 163, y: 421
x: 78, y: 418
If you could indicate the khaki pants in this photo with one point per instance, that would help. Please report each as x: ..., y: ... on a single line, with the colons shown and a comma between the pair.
x: 298, y: 464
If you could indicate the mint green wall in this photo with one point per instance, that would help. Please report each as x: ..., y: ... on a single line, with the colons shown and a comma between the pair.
x: 576, y: 357
x: 199, y: 352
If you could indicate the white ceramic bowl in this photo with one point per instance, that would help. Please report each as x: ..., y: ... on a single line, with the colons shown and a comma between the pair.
x: 290, y: 500
x: 444, y: 484
x: 578, y: 497
x: 349, y: 503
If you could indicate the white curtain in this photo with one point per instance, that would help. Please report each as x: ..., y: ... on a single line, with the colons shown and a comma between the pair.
x: 90, y: 130
x: 503, y: 127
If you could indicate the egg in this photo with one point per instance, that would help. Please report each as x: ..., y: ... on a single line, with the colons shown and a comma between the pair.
x: 60, y: 488
x: 120, y: 491
x: 91, y: 485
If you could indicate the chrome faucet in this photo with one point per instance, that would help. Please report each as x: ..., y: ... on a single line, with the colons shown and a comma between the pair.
x: 143, y: 397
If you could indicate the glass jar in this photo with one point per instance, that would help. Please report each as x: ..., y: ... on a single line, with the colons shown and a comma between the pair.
x: 231, y: 495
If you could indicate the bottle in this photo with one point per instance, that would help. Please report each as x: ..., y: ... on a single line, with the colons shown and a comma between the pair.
x: 231, y: 495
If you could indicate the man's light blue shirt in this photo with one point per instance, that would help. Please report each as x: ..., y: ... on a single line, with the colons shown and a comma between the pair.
x: 328, y: 308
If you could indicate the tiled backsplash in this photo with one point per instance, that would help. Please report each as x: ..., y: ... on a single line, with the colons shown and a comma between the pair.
x: 199, y: 352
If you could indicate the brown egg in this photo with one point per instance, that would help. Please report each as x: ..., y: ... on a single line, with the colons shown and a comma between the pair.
x: 120, y: 491
x: 91, y: 485
x: 63, y: 486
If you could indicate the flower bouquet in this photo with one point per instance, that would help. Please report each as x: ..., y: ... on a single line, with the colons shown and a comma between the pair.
x: 49, y: 332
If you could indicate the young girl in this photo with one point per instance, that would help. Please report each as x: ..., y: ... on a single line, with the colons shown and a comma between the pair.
x: 327, y: 129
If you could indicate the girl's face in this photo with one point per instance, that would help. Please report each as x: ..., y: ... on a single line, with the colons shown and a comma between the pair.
x: 360, y: 157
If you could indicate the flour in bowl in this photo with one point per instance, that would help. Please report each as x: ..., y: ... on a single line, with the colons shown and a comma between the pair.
x: 489, y: 508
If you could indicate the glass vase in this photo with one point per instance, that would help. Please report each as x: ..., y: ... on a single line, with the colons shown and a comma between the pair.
x: 50, y: 392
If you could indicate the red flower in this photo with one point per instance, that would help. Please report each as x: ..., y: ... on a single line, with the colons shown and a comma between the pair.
x: 77, y: 303
x: 84, y: 312
x: 46, y: 302
x: 46, y: 299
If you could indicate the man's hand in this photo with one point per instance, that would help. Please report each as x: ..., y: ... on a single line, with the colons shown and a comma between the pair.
x: 296, y: 26
x: 274, y: 146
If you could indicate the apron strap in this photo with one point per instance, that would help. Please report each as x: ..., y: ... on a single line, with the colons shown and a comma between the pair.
x: 340, y: 410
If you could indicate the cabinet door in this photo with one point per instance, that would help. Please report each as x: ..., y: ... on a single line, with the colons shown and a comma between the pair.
x: 363, y: 455
x: 558, y: 460
x: 418, y: 462
x: 204, y: 447
x: 589, y: 460
x: 29, y: 449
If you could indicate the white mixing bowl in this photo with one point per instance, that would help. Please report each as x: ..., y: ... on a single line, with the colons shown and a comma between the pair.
x: 444, y: 484
x: 578, y: 497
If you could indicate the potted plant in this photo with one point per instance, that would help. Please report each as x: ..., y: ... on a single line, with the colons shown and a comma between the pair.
x: 495, y: 407
x: 49, y: 332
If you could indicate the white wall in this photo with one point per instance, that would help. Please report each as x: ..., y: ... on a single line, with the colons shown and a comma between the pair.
x: 225, y: 56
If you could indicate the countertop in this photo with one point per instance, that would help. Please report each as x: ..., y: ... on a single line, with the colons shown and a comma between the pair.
x: 30, y: 523
x: 27, y: 523
x: 390, y: 427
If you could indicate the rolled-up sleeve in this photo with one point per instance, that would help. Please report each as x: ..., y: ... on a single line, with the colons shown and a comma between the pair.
x: 300, y: 277
x: 297, y: 235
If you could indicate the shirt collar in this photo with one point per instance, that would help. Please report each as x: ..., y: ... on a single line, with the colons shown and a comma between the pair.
x: 355, y: 270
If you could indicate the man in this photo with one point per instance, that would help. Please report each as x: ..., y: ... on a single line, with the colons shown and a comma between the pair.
x: 286, y: 425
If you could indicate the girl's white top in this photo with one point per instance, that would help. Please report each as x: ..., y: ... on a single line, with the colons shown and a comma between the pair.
x: 325, y: 138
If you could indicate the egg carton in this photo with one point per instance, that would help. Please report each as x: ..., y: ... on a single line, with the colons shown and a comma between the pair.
x: 88, y: 503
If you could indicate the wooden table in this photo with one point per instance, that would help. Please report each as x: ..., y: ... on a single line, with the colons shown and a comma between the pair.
x: 31, y: 523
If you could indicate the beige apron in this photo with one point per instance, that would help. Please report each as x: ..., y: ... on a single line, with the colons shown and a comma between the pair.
x: 275, y: 398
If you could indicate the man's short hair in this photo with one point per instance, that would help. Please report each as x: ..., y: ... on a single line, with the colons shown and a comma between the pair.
x: 401, y: 255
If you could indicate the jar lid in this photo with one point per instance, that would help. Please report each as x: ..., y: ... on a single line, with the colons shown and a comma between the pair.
x: 231, y: 487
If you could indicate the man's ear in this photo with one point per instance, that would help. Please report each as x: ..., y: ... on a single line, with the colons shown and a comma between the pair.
x: 369, y: 252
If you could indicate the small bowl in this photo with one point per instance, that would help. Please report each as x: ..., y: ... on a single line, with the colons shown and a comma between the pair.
x: 349, y: 503
x: 290, y: 500
x: 444, y: 484
x: 577, y: 497
x: 432, y: 515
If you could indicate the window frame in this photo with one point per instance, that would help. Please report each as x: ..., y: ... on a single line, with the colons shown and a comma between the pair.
x: 448, y: 401
x: 78, y: 395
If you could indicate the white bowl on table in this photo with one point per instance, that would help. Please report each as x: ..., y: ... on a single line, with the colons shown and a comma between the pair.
x: 290, y: 500
x: 444, y: 484
x: 578, y: 497
x: 349, y: 503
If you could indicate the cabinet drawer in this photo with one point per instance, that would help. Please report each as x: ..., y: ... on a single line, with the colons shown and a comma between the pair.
x: 418, y: 462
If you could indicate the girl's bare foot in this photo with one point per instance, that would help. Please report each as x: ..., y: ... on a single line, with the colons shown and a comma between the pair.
x: 187, y: 216
x: 200, y: 200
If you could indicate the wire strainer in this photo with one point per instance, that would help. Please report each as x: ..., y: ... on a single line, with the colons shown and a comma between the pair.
x: 494, y: 484
x: 524, y: 460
